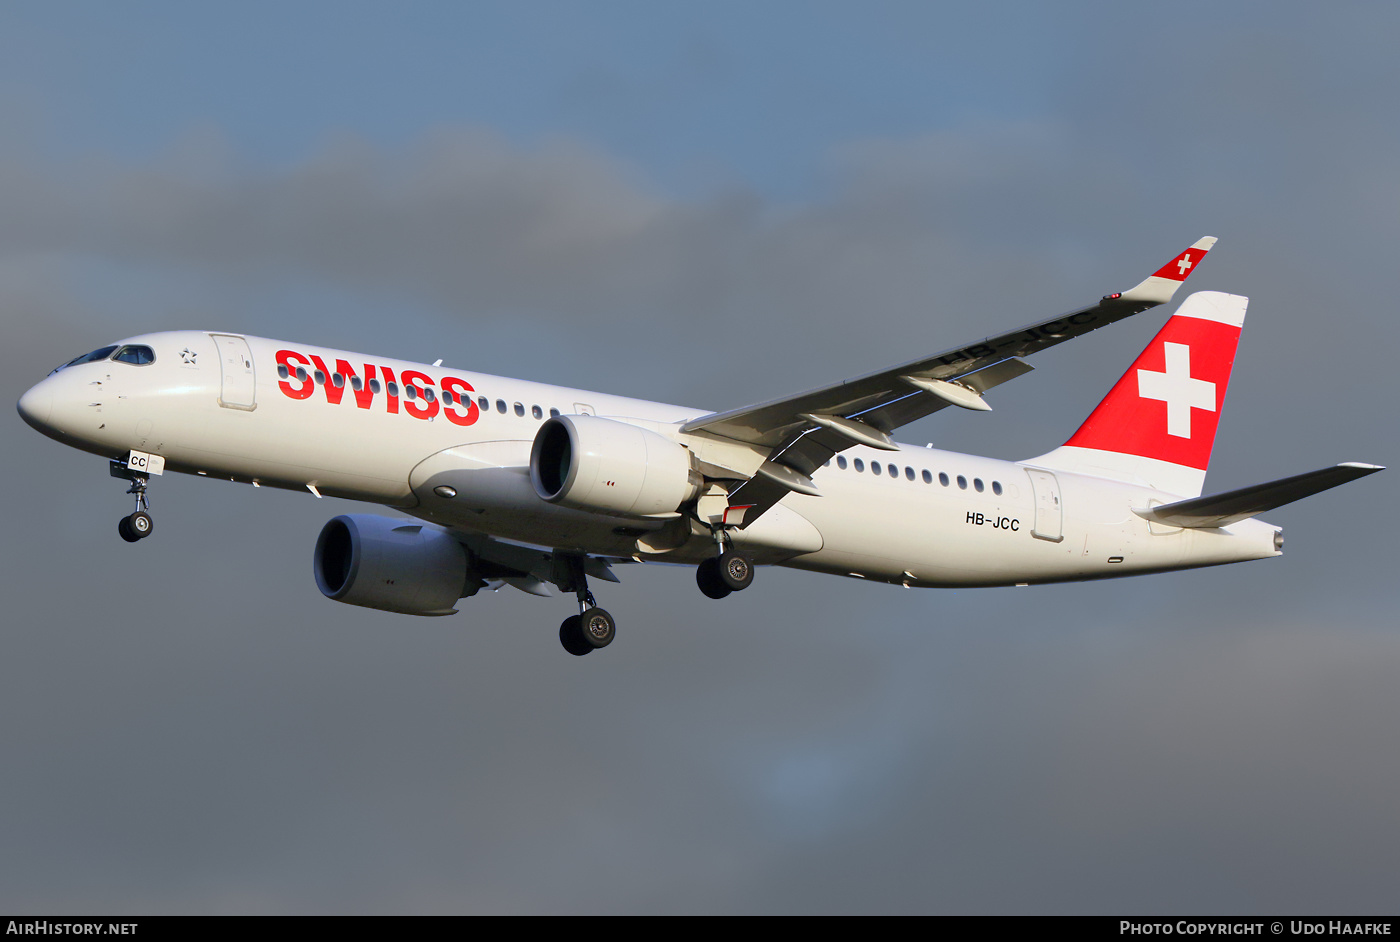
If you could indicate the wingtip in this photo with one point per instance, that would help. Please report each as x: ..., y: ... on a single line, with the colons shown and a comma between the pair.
x: 1161, y: 285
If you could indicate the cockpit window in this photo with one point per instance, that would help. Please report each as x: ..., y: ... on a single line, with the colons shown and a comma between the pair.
x: 101, y: 353
x: 138, y: 354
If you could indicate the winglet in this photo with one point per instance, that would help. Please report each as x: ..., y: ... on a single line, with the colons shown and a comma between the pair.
x: 1160, y: 286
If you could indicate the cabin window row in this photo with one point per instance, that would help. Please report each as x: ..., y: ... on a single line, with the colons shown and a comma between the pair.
x: 892, y: 470
x: 411, y: 393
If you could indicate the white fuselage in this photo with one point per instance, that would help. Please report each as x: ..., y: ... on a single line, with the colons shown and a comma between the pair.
x: 215, y: 405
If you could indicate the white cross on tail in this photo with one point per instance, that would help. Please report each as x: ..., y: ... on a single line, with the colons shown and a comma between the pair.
x: 1177, y: 389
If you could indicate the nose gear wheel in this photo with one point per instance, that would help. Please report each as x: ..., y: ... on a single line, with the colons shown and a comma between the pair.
x: 138, y: 526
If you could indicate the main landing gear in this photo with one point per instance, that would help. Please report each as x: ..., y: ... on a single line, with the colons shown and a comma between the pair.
x: 138, y: 525
x: 730, y: 571
x: 592, y: 627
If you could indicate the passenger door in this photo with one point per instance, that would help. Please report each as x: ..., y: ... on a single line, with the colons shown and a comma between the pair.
x: 236, y: 362
x: 1049, y: 513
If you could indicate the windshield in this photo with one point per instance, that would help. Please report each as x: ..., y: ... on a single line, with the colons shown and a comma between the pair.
x: 100, y: 353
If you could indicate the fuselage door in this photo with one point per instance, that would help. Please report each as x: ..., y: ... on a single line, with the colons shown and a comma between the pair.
x: 236, y: 362
x: 1049, y: 512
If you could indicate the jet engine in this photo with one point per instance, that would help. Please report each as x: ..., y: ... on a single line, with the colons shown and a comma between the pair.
x: 392, y: 565
x: 610, y: 467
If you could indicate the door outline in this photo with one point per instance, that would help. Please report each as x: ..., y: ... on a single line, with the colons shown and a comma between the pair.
x: 1049, y: 508
x: 238, y: 389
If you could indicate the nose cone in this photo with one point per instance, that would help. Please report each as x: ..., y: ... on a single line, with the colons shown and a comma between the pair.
x: 36, y: 406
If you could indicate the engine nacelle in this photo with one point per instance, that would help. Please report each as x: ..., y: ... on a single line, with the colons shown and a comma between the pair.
x: 610, y: 467
x: 392, y: 565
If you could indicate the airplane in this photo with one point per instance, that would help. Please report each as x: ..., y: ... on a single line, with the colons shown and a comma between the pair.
x: 540, y: 487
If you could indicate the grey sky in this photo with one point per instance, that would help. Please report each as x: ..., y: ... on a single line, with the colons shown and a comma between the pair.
x: 707, y: 208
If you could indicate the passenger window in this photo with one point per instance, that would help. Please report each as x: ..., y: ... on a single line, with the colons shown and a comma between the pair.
x: 894, y: 470
x: 537, y: 412
x: 860, y: 465
x: 977, y: 485
x: 282, y: 371
x: 996, y: 488
x: 841, y: 462
x: 356, y: 383
x: 394, y: 390
x: 301, y: 373
x: 501, y: 406
x: 374, y: 386
x: 909, y: 472
x: 135, y: 354
x: 962, y: 482
x: 874, y: 467
x: 943, y: 478
x: 410, y: 392
x: 520, y: 410
x: 553, y: 412
x: 484, y: 404
x: 429, y: 395
x: 320, y: 378
x: 928, y: 476
x: 338, y: 380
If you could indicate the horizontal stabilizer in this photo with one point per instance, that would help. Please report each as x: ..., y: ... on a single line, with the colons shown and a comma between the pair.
x: 1221, y: 510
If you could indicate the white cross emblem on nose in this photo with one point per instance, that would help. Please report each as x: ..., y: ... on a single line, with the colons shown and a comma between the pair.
x: 1177, y: 389
x: 1183, y: 263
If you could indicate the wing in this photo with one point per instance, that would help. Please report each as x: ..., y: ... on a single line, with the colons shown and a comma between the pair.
x: 800, y: 433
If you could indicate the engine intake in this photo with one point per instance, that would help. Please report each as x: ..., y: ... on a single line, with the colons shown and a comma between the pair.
x: 611, y: 467
x: 392, y: 565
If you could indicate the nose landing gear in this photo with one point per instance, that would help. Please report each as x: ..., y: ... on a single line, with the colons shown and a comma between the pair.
x: 139, y: 524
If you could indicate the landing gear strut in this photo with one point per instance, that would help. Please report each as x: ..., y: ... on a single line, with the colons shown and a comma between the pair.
x: 592, y: 627
x: 139, y: 524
